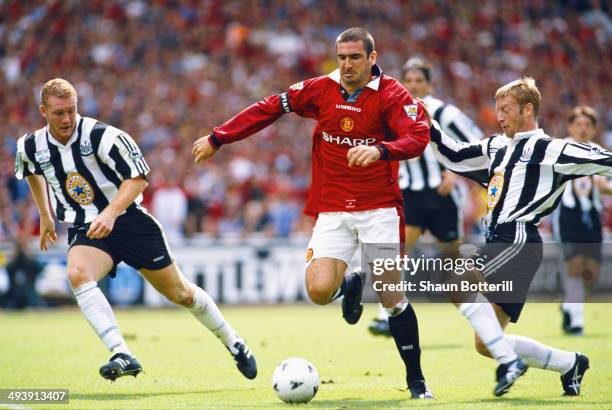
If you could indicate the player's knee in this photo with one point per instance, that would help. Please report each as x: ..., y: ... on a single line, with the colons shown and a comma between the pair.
x: 318, y: 294
x: 78, y: 275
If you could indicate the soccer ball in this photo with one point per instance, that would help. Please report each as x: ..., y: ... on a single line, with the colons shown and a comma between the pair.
x: 295, y: 380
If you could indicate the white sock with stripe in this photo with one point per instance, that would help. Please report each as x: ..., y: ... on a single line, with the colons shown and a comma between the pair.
x: 206, y: 311
x: 541, y: 356
x: 100, y: 316
x: 483, y: 320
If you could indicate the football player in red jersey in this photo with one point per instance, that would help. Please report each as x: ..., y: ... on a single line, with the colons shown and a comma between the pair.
x: 366, y: 122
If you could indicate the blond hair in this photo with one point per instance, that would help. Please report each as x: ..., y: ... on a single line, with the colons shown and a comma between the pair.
x: 58, y: 87
x: 524, y: 91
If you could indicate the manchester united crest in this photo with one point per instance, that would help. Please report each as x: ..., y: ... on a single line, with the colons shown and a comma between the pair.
x: 347, y: 124
x: 79, y: 189
x: 495, y: 190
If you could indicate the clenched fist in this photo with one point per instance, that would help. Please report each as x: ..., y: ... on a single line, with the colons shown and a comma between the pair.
x: 362, y: 156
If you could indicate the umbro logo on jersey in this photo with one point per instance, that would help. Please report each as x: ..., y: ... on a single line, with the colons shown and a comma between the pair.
x: 347, y: 107
x: 352, y: 142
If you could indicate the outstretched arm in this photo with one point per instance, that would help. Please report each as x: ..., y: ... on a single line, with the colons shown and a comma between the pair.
x: 300, y: 98
x: 470, y: 160
x: 250, y: 120
x: 577, y: 160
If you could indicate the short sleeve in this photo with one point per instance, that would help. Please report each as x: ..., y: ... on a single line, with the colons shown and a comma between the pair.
x: 23, y: 166
x: 125, y: 157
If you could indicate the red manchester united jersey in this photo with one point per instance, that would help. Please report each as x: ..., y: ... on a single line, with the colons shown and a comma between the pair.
x: 381, y: 114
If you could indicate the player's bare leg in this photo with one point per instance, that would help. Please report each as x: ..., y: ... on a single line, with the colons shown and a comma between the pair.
x: 571, y: 365
x: 171, y: 283
x: 86, y: 266
x: 324, y: 279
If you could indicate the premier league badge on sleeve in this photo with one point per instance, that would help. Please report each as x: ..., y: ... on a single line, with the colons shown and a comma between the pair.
x: 43, y: 158
x: 411, y: 111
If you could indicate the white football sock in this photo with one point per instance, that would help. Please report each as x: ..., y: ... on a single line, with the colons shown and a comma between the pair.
x: 541, y: 356
x: 100, y: 316
x: 576, y: 313
x: 206, y: 311
x: 574, y: 300
x: 574, y: 289
x: 382, y: 312
x: 483, y: 320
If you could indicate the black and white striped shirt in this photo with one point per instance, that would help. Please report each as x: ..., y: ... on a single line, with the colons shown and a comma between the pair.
x: 582, y: 194
x: 425, y: 172
x: 525, y: 176
x: 84, y: 175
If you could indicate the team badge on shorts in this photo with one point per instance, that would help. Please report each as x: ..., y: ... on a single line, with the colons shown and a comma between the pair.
x: 347, y: 124
x: 309, y: 254
x: 79, y: 189
x: 495, y: 189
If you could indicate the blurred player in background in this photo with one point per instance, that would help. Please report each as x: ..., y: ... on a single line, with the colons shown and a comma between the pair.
x: 431, y: 198
x: 577, y: 224
x: 366, y: 122
x: 94, y: 175
x: 525, y: 173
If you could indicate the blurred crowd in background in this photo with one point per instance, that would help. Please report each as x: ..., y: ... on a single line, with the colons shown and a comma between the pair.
x: 168, y: 71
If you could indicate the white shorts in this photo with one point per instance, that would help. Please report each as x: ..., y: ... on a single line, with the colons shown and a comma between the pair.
x: 338, y: 234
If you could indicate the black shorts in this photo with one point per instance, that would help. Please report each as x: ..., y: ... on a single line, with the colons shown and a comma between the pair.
x: 584, y: 249
x: 580, y: 234
x: 513, y: 253
x: 136, y: 239
x: 431, y: 211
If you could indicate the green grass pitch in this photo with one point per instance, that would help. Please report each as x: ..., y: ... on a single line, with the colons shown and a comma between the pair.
x: 187, y: 368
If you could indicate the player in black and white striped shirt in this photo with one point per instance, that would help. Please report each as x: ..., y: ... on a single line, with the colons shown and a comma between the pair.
x: 95, y: 175
x: 432, y: 200
x: 525, y: 172
x: 577, y: 224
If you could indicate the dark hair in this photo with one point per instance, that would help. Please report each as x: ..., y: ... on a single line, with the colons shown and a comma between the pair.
x: 357, y: 34
x: 585, y: 110
x: 415, y: 63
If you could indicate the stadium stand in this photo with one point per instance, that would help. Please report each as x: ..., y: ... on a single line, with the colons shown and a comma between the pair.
x: 167, y: 71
